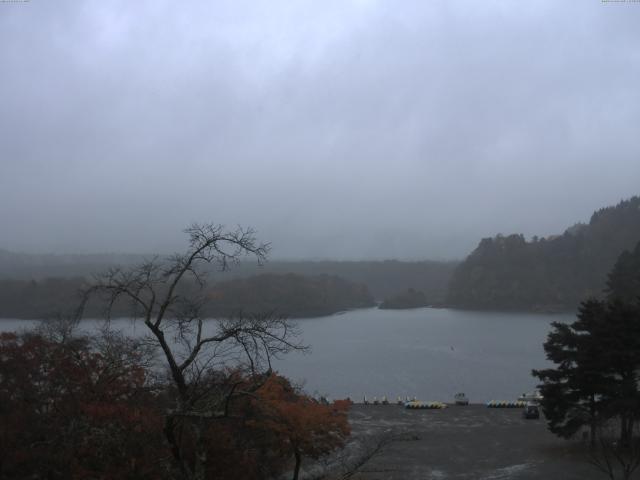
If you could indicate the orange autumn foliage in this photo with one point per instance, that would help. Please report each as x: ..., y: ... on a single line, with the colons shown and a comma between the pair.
x: 72, y: 411
x: 299, y: 423
x: 68, y: 412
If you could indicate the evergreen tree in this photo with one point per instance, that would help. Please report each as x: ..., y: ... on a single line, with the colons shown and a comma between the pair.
x: 553, y: 273
x: 620, y: 355
x: 574, y: 392
x: 624, y: 280
x: 597, y: 359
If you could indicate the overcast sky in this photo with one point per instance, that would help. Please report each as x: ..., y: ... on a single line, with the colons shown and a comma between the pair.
x: 338, y: 129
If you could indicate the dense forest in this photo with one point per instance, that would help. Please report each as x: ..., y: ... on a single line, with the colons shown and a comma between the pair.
x: 554, y: 273
x: 408, y: 299
x: 38, y: 299
x: 382, y: 278
x: 25, y: 266
x: 34, y: 286
x: 290, y: 295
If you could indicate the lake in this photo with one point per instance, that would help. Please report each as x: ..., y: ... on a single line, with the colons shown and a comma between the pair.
x: 428, y: 353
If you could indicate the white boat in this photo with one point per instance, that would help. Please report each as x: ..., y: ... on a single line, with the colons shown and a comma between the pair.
x: 531, y: 397
x: 461, y: 399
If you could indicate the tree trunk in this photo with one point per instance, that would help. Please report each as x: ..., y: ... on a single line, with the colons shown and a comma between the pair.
x: 169, y: 433
x: 625, y: 439
x: 296, y: 470
x: 200, y: 467
x: 594, y: 422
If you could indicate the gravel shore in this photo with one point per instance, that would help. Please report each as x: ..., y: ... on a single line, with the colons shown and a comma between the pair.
x: 470, y: 442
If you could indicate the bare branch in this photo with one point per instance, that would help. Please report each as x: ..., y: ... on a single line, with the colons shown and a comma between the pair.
x: 209, y: 362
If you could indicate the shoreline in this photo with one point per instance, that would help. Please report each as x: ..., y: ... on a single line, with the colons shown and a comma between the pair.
x: 462, y: 443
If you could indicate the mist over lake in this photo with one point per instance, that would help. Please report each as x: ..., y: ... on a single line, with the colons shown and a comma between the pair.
x: 426, y: 352
x: 310, y: 201
x: 429, y: 353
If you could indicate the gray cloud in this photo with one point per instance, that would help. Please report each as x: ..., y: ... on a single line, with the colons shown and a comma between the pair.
x: 362, y: 129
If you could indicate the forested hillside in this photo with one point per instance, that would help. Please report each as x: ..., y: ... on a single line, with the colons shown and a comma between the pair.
x: 25, y: 266
x: 554, y: 273
x: 289, y: 295
x: 408, y: 299
x: 382, y: 278
x: 37, y: 299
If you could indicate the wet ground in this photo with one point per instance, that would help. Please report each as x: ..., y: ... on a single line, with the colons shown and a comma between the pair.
x: 472, y: 442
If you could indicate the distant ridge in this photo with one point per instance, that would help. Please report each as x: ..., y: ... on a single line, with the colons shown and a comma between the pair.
x: 58, y: 276
x: 38, y: 266
x: 546, y: 274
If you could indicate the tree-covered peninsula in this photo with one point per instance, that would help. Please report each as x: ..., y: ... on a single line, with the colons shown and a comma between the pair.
x: 289, y: 294
x: 286, y: 294
x: 547, y: 274
x: 411, y: 298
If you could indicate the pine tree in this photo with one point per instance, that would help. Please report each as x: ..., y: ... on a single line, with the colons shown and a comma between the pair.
x: 574, y: 392
x: 597, y: 361
x: 624, y: 280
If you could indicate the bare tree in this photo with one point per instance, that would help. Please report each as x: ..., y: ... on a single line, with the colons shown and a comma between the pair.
x: 209, y: 362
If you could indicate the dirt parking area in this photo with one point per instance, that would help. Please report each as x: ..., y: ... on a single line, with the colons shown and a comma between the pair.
x: 470, y: 442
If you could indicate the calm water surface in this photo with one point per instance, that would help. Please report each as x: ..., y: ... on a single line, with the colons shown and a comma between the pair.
x: 429, y: 353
